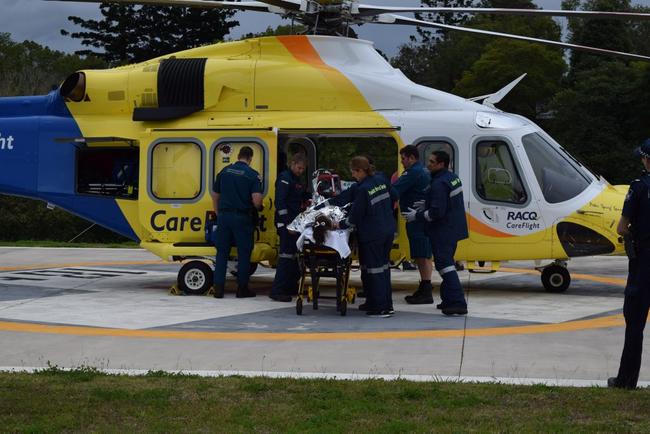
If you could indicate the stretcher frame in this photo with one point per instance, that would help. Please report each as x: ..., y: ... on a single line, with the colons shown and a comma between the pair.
x: 322, y: 261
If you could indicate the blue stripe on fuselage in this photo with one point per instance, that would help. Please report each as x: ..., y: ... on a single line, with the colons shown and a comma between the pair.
x: 34, y: 164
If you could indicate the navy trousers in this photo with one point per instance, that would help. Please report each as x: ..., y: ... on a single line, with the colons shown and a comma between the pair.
x: 237, y: 229
x: 287, y: 274
x: 374, y: 257
x: 635, y: 311
x: 451, y: 291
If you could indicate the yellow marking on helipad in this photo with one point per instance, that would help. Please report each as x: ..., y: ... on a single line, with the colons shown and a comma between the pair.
x: 591, y: 324
x: 80, y: 264
x: 570, y: 326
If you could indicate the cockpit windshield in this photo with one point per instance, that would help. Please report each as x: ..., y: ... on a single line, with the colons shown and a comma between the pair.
x: 559, y: 175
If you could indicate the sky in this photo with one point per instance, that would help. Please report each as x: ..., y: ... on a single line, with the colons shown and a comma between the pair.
x: 41, y: 21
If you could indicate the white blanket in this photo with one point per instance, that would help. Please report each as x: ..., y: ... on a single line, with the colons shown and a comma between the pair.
x: 337, y: 240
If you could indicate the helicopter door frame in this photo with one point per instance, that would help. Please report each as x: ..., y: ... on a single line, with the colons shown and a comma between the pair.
x: 286, y: 140
x: 503, y: 222
x: 455, y: 158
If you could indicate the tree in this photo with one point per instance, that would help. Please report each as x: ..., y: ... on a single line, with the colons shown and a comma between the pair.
x: 503, y: 61
x: 441, y: 64
x: 131, y: 34
x: 603, y: 117
x: 28, y: 68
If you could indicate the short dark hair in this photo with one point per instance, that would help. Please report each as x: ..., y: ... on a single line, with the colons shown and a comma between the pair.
x: 245, y: 153
x: 442, y: 157
x: 410, y: 151
x: 298, y: 158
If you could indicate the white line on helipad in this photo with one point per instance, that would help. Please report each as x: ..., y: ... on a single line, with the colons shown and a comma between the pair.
x: 559, y: 382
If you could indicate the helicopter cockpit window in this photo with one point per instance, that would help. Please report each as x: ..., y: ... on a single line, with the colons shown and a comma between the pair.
x: 427, y: 147
x: 109, y: 172
x: 176, y: 170
x: 497, y: 178
x: 558, y: 177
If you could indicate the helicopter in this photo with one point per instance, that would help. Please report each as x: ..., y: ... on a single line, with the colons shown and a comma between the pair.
x: 135, y: 149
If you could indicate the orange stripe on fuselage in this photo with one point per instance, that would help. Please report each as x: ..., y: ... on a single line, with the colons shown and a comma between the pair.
x: 302, y: 50
x: 483, y: 229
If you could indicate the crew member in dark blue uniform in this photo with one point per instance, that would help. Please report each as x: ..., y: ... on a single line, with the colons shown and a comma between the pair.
x: 290, y: 195
x: 411, y: 186
x: 634, y: 225
x: 237, y: 192
x: 372, y: 217
x: 445, y: 225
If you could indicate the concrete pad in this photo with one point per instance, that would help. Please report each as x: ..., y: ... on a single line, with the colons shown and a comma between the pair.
x: 111, y: 309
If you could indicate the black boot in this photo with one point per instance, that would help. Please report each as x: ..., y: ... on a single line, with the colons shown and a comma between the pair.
x: 422, y: 295
x: 244, y: 292
x: 218, y: 290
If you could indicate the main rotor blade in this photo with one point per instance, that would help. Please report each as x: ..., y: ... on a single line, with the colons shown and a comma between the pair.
x: 370, y: 10
x: 208, y: 4
x: 397, y: 19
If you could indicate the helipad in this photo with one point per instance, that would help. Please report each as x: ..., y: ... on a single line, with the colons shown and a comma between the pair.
x: 112, y: 309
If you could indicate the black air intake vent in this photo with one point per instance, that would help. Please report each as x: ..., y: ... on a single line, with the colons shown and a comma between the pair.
x: 578, y: 240
x: 180, y: 90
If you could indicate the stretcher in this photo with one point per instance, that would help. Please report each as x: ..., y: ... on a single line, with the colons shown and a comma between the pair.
x: 317, y: 262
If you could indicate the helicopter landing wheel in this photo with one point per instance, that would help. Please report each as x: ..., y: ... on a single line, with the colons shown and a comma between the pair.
x: 195, y: 278
x: 556, y: 278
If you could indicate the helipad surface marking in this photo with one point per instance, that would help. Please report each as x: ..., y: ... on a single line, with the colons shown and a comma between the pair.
x: 597, y: 323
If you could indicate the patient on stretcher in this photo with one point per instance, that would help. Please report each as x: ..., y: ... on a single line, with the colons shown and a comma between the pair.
x: 316, y: 226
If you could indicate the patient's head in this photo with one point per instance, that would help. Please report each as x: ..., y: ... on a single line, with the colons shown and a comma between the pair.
x: 322, y: 224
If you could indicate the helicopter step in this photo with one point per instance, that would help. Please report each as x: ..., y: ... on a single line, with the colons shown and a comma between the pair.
x: 555, y: 276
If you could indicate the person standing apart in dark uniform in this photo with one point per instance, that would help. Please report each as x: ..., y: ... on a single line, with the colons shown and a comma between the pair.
x: 290, y: 194
x: 445, y: 224
x: 237, y: 192
x: 371, y: 216
x: 411, y: 186
x: 635, y: 228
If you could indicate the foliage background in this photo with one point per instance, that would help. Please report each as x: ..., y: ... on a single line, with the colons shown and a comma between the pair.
x: 597, y: 107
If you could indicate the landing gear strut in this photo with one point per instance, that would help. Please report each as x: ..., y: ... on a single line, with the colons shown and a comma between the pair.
x: 556, y: 277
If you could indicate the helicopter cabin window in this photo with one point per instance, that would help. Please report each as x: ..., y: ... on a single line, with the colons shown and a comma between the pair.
x: 176, y: 170
x: 497, y: 178
x: 559, y: 178
x: 109, y: 172
x: 428, y: 147
x: 226, y: 152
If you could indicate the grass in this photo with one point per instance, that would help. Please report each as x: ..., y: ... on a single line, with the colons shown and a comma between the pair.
x: 85, y: 400
x: 48, y: 243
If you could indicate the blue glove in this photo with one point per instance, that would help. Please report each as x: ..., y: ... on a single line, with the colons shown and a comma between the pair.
x: 419, y: 205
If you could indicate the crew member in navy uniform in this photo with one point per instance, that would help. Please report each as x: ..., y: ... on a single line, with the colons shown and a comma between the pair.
x: 372, y: 217
x: 237, y: 193
x: 290, y: 194
x: 634, y: 226
x: 445, y: 224
x: 411, y: 186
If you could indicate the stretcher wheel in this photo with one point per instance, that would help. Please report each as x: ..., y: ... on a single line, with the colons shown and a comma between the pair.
x: 343, y: 307
x: 299, y: 306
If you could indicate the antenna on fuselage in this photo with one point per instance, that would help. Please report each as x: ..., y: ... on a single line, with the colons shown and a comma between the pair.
x: 494, y: 98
